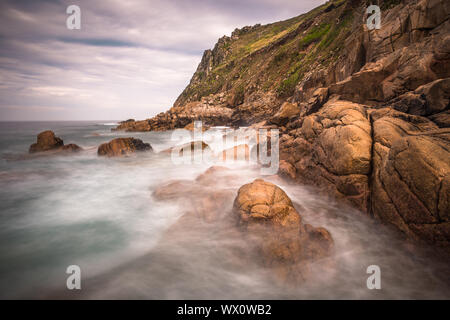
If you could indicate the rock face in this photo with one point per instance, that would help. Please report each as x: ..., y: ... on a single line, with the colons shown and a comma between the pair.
x: 267, y: 215
x: 378, y: 139
x: 333, y: 150
x: 388, y: 163
x: 411, y: 177
x: 122, y: 146
x: 286, y: 112
x: 47, y: 141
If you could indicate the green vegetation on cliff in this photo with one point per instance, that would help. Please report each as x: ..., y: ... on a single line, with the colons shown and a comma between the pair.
x: 273, y: 57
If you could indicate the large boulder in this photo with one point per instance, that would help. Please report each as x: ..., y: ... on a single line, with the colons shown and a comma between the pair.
x: 390, y: 164
x: 191, y: 127
x: 202, y: 198
x: 49, y: 143
x: 332, y: 150
x: 46, y: 141
x: 268, y: 217
x: 411, y: 175
x: 122, y: 146
x: 173, y: 190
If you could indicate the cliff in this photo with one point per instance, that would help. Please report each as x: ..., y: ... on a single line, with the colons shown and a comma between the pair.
x: 364, y: 114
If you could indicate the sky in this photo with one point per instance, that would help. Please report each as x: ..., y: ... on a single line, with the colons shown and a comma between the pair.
x: 130, y: 59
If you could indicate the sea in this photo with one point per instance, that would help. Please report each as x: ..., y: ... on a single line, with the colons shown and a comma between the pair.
x: 99, y: 214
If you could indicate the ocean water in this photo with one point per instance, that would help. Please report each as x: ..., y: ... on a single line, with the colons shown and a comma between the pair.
x: 99, y: 214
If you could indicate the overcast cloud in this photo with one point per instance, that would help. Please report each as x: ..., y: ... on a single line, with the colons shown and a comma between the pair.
x: 131, y: 58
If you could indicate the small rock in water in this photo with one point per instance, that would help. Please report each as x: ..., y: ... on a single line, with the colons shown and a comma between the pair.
x: 267, y: 216
x: 122, y: 146
x: 47, y: 141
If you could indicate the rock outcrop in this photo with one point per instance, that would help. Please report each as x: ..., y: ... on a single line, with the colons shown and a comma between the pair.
x: 333, y: 150
x: 410, y: 182
x: 48, y: 142
x: 211, y: 110
x: 287, y: 111
x: 364, y: 114
x: 122, y: 146
x: 390, y: 164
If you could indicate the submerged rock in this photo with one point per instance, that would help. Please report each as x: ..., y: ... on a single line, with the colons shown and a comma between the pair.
x: 268, y: 217
x: 71, y: 148
x: 122, y: 146
x: 48, y: 142
x: 262, y: 216
x: 173, y: 190
x: 131, y: 125
x: 187, y: 147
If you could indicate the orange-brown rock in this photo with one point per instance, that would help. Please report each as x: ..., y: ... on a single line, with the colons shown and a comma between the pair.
x: 122, y: 146
x: 212, y: 174
x: 187, y: 147
x: 286, y: 112
x: 411, y: 175
x: 46, y: 141
x: 239, y: 152
x: 287, y: 170
x: 71, y: 147
x: 49, y: 143
x: 190, y: 127
x: 268, y: 217
x: 332, y: 150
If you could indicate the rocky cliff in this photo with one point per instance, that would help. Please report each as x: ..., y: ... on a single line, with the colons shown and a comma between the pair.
x: 364, y: 114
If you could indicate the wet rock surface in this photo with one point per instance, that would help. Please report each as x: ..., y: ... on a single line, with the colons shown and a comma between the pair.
x: 365, y: 118
x: 268, y: 218
x: 122, y: 147
x: 49, y: 143
x: 262, y: 215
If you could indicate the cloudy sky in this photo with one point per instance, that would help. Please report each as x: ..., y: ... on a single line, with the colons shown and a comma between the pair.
x: 131, y: 58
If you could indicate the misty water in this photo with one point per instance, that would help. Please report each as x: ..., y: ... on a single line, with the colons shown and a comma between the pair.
x: 99, y: 214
